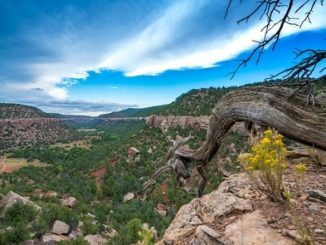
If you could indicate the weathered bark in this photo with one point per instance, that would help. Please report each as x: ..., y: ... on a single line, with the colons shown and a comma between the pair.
x: 266, y: 106
x: 269, y: 106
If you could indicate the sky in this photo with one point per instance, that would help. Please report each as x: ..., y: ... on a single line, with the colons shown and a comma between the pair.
x: 95, y: 56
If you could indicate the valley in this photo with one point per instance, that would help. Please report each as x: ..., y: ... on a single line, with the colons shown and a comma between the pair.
x: 101, y: 171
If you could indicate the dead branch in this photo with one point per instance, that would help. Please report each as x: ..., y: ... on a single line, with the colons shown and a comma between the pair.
x: 263, y: 105
x: 277, y: 14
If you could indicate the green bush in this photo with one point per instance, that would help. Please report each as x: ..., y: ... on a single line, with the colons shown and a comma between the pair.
x: 18, y: 213
x: 18, y: 234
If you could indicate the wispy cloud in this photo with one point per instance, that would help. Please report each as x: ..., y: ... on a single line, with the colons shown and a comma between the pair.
x: 78, y: 107
x: 48, y: 55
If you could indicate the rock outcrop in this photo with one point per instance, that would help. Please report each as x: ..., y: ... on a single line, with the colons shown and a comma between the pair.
x: 225, y: 216
x: 69, y: 202
x: 201, y: 122
x: 60, y: 228
x: 11, y: 198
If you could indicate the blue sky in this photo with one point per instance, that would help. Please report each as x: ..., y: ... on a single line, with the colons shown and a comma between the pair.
x: 95, y: 56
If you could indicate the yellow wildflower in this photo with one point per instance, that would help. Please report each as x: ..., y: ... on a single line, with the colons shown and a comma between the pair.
x: 300, y: 168
x: 265, y: 141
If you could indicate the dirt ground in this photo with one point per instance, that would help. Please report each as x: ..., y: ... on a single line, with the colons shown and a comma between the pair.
x: 8, y: 165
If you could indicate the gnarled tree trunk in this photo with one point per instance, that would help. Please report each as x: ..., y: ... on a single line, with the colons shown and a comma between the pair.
x: 267, y: 106
x: 270, y: 106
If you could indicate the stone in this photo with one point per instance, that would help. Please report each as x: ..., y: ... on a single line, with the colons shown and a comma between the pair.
x: 60, y: 228
x: 318, y: 194
x: 129, y: 196
x: 207, y: 236
x: 319, y: 231
x: 92, y: 216
x: 292, y: 234
x: 80, y: 224
x: 69, y: 202
x: 133, y: 152
x: 209, y: 208
x: 161, y: 210
x: 11, y: 198
x: 111, y: 233
x: 27, y: 242
x: 51, y: 239
x: 252, y: 228
x: 314, y: 208
x: 95, y: 239
x: 150, y: 151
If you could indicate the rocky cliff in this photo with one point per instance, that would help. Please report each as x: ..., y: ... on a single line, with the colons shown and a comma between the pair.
x: 200, y: 122
x: 236, y: 213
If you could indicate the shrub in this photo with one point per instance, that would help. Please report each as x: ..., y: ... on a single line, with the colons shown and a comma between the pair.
x: 266, y: 163
x: 147, y: 235
x: 133, y: 226
x: 19, y: 212
x: 18, y: 234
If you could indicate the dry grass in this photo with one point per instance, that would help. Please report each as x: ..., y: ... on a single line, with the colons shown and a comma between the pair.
x: 8, y: 165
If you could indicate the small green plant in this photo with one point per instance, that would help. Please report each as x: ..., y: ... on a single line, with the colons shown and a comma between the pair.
x: 147, y: 235
x: 265, y: 164
x: 302, y: 231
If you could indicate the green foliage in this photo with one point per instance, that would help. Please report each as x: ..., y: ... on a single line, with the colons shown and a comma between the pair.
x: 76, y: 241
x: 18, y: 234
x: 53, y: 212
x: 89, y: 227
x: 132, y: 228
x: 19, y: 213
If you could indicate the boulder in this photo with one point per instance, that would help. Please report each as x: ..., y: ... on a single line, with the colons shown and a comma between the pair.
x: 129, y: 196
x: 60, y: 228
x: 252, y: 228
x: 161, y: 210
x: 111, y: 233
x: 51, y: 239
x: 69, y: 202
x: 209, y: 208
x: 207, y: 236
x: 11, y: 198
x: 133, y: 152
x: 95, y: 239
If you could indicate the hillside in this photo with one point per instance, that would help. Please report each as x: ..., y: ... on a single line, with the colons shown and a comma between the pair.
x: 23, y: 126
x: 196, y: 102
x: 17, y: 111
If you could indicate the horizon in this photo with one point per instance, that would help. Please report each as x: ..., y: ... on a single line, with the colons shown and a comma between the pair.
x: 95, y: 57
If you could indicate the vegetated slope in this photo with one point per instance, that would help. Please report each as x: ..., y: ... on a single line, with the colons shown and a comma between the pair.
x: 22, y: 126
x: 196, y: 102
x: 134, y: 112
x: 17, y: 111
x: 69, y: 173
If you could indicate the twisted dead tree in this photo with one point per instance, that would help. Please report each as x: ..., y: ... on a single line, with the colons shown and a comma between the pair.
x: 283, y: 106
x: 262, y: 105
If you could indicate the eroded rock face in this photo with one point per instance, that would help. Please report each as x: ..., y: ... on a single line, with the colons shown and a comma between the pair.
x: 208, y: 209
x: 225, y: 216
x: 201, y: 122
x: 252, y: 228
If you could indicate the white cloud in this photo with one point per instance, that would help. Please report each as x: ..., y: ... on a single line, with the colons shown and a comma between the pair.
x: 167, y: 41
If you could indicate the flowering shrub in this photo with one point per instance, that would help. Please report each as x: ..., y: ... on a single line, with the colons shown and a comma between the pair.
x: 266, y: 163
x: 147, y: 235
x: 300, y: 168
